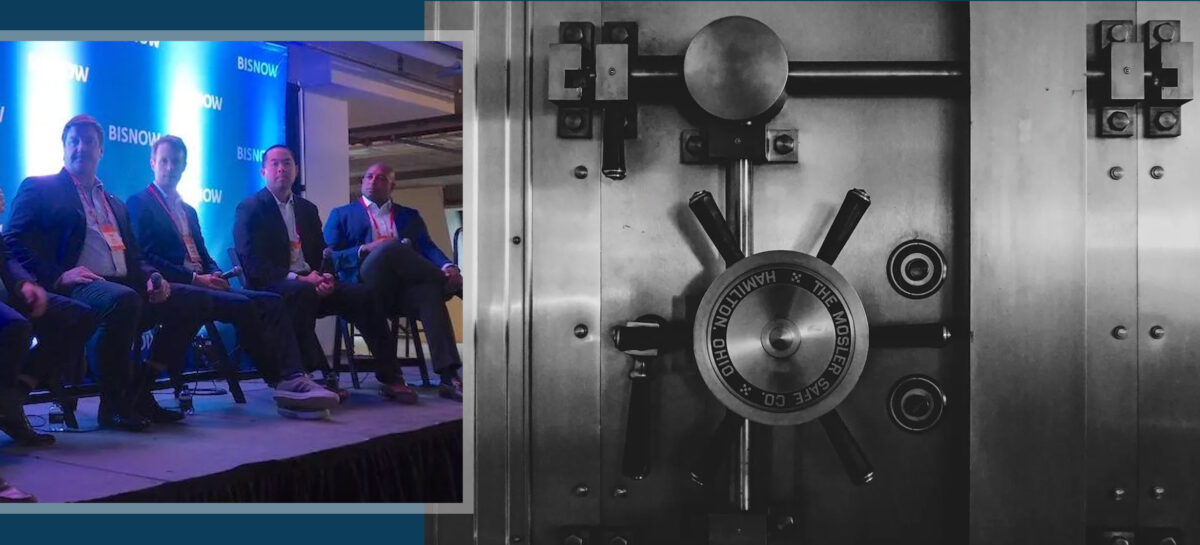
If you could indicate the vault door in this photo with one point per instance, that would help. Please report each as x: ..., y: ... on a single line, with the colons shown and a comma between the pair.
x: 1143, y: 243
x: 1168, y: 335
x: 608, y: 251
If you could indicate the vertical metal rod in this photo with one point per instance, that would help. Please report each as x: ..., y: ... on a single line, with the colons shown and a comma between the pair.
x: 739, y: 196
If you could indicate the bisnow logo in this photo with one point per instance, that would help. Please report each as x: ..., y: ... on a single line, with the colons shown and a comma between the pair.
x: 70, y: 70
x: 129, y: 135
x: 253, y: 155
x: 149, y: 44
x: 262, y: 68
x: 210, y: 195
x: 210, y: 102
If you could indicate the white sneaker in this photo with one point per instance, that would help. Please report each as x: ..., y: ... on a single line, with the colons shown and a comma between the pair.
x: 301, y: 393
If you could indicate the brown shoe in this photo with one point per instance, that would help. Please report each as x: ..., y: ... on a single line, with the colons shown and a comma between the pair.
x: 398, y: 392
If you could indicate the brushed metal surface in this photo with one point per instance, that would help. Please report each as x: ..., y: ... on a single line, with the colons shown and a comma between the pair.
x: 1168, y: 293
x: 1027, y: 260
x: 909, y: 154
x: 1111, y: 280
x: 564, y: 229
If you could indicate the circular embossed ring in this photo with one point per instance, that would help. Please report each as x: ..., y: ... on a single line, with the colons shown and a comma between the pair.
x: 781, y: 338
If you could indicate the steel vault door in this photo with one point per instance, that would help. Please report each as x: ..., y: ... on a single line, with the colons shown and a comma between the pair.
x: 1144, y: 246
x: 604, y: 252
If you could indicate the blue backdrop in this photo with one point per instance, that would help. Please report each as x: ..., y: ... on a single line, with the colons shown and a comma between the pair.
x: 225, y: 99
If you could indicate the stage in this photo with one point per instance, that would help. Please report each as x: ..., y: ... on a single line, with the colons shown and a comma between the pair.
x: 370, y: 450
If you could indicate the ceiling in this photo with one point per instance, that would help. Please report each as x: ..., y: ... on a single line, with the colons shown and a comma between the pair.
x: 404, y: 109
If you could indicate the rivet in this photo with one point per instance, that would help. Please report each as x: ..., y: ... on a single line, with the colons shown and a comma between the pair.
x: 581, y: 172
x: 1116, y: 173
x: 581, y: 490
x: 1118, y: 494
x: 516, y: 240
x: 1158, y: 492
x: 1158, y: 332
x: 581, y: 331
x: 1157, y: 172
x: 1120, y: 333
x: 620, y: 492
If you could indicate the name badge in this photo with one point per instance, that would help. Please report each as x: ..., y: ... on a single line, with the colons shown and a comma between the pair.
x: 112, y: 237
x: 193, y: 252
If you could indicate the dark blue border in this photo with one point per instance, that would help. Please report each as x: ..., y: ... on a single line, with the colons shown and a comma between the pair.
x: 214, y: 529
x: 212, y: 15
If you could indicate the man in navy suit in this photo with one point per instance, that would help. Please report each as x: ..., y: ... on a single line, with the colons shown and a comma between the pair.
x: 168, y: 231
x: 61, y: 326
x: 76, y: 239
x: 278, y: 239
x: 386, y: 247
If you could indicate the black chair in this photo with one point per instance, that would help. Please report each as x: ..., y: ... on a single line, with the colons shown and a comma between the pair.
x: 343, y: 342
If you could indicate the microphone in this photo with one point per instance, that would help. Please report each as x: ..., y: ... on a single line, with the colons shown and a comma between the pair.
x: 237, y: 270
x: 327, y: 262
x: 156, y: 281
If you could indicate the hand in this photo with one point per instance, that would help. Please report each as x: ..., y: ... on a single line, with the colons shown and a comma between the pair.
x: 366, y: 248
x: 211, y: 281
x: 454, y: 279
x: 327, y: 285
x: 313, y: 278
x: 78, y: 275
x: 160, y: 295
x: 36, y: 298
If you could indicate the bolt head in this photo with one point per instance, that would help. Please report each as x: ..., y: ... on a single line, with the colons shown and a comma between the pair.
x: 573, y: 34
x: 1118, y: 33
x: 1157, y: 172
x: 612, y: 71
x: 581, y: 172
x: 516, y: 240
x: 1118, y: 120
x: 695, y: 145
x: 1166, y: 120
x: 1120, y: 333
x: 1165, y: 32
x: 784, y: 144
x: 581, y: 490
x: 581, y: 331
x: 573, y: 121
x: 619, y: 34
x: 1116, y: 173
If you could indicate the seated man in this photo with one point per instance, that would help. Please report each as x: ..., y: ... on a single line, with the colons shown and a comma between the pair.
x: 75, y: 237
x: 386, y: 247
x: 61, y: 325
x: 278, y: 240
x: 168, y: 231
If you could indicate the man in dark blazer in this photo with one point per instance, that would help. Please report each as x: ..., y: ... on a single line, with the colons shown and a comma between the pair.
x: 61, y: 326
x: 279, y: 242
x: 386, y: 247
x: 168, y: 231
x: 75, y: 238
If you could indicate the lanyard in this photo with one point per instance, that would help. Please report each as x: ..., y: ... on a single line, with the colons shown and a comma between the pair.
x: 375, y: 224
x: 184, y: 236
x: 174, y: 220
x: 89, y: 207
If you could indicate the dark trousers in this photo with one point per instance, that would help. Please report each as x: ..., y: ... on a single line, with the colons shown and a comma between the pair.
x: 123, y: 312
x: 414, y: 286
x: 355, y: 303
x: 263, y: 330
x: 15, y: 333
